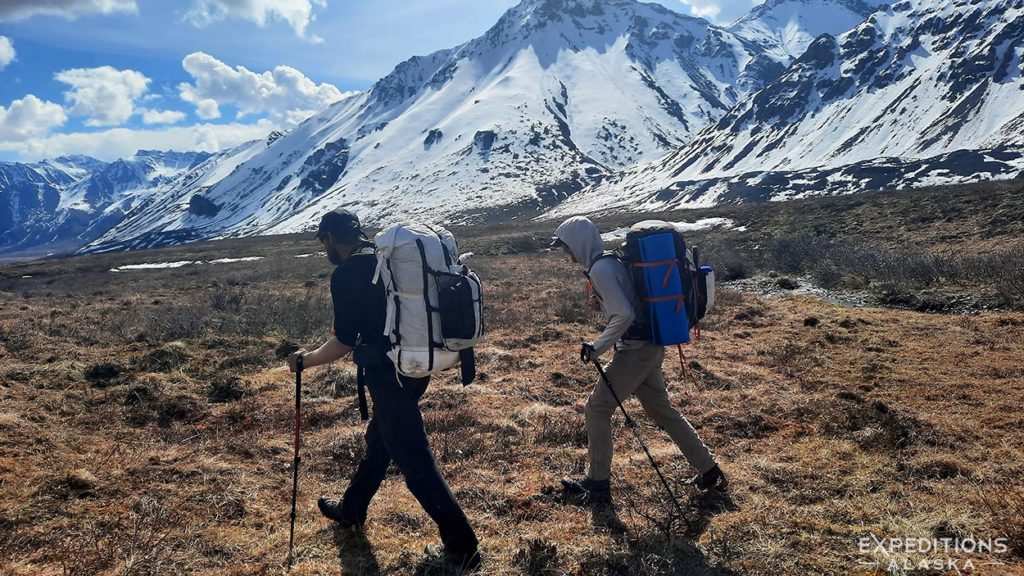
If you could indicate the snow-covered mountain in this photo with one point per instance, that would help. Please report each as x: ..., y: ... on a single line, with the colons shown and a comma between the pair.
x: 920, y: 79
x: 72, y: 200
x: 555, y: 94
x: 785, y: 28
x: 569, y: 106
x: 959, y: 167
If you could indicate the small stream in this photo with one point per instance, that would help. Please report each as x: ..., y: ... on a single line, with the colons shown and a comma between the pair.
x: 933, y: 301
x: 775, y: 287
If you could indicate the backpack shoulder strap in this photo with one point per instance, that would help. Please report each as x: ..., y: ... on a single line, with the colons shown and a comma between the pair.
x: 364, y: 249
x: 448, y: 258
x: 606, y: 254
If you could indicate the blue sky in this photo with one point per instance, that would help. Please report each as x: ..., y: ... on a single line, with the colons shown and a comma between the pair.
x: 106, y: 77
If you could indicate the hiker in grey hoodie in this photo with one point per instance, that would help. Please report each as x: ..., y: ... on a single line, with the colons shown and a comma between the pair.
x: 635, y: 367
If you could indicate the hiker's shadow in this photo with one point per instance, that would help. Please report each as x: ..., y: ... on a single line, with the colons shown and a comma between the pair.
x: 604, y: 516
x: 355, y: 553
x: 699, y: 510
x: 703, y: 506
x: 673, y: 537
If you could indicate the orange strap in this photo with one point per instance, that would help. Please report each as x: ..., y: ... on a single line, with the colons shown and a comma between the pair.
x: 686, y: 370
x: 668, y: 273
x: 680, y: 298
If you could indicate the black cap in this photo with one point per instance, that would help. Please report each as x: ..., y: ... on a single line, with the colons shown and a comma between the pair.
x: 340, y: 222
x: 556, y: 242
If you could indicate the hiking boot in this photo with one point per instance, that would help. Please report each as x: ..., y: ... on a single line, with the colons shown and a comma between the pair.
x: 713, y: 479
x: 599, y: 489
x: 332, y: 509
x: 442, y: 557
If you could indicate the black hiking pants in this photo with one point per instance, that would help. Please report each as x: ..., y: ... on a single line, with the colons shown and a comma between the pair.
x: 396, y: 433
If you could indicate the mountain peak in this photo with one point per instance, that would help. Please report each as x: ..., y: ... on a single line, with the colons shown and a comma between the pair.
x: 786, y: 28
x: 864, y: 7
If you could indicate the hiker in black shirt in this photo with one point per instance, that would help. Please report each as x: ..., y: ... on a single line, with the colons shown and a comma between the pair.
x: 395, y: 432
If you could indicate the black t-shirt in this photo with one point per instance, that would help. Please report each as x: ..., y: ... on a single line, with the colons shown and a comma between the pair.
x: 359, y: 307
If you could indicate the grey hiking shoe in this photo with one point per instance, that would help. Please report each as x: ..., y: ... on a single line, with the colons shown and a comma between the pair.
x: 463, y: 562
x: 713, y: 479
x: 332, y: 509
x: 586, y: 487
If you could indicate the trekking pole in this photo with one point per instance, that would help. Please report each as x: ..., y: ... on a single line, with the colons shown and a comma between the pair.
x: 632, y: 426
x: 295, y: 462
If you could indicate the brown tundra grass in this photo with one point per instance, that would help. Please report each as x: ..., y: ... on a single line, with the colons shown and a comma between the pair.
x: 145, y: 428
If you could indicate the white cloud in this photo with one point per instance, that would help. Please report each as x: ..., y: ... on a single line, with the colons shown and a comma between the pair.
x: 117, y: 143
x: 21, y: 9
x: 106, y: 96
x: 709, y: 9
x: 296, y: 13
x: 721, y: 12
x: 285, y: 94
x: 162, y: 116
x: 29, y: 118
x: 7, y: 52
x: 206, y: 108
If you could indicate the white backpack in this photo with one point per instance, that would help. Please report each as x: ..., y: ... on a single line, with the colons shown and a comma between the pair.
x: 434, y: 301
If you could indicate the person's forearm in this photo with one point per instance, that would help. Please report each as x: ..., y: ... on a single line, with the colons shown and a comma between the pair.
x: 617, y: 326
x: 330, y: 351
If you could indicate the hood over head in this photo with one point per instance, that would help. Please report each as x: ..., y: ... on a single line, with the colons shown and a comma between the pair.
x: 582, y: 238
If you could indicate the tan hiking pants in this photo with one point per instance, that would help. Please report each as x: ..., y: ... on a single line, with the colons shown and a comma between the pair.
x: 638, y: 372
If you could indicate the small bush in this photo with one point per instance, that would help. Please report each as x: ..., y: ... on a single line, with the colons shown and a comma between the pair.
x: 177, y: 408
x: 1006, y: 504
x: 19, y: 337
x: 850, y: 264
x: 226, y: 390
x: 174, y: 322
x: 101, y: 374
x: 787, y: 283
x: 165, y: 358
x: 874, y: 426
x: 302, y: 316
x: 227, y: 299
x: 539, y: 557
x: 733, y: 268
x: 346, y: 450
x: 567, y: 430
x: 572, y: 313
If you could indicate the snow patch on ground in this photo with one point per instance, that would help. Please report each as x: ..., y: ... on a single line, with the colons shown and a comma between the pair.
x: 229, y: 260
x: 180, y: 263
x: 152, y: 266
x: 702, y: 224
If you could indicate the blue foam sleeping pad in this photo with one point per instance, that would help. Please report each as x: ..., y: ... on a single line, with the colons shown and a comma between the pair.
x: 668, y: 317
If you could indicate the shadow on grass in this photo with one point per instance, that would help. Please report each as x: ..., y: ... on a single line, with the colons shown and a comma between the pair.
x: 703, y: 506
x: 666, y: 546
x: 355, y: 552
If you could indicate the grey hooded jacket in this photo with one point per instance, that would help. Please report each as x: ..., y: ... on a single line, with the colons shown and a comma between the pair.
x: 610, y: 278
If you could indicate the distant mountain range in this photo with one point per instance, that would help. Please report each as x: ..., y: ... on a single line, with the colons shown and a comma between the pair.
x: 568, y: 106
x: 928, y: 91
x: 68, y: 202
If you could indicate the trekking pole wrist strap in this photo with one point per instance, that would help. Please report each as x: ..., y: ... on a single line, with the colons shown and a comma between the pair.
x: 364, y: 411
